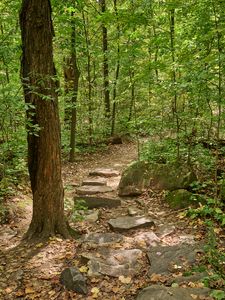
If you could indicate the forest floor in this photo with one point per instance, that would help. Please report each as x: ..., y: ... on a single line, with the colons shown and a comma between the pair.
x: 32, y: 271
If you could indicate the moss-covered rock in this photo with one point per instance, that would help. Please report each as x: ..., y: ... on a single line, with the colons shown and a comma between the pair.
x: 179, y: 199
x: 141, y: 175
x: 134, y: 179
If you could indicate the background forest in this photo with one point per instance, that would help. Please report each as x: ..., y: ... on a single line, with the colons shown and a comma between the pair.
x: 125, y: 68
x: 150, y: 69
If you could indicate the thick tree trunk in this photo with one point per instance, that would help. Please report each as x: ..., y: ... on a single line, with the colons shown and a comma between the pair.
x: 44, y: 159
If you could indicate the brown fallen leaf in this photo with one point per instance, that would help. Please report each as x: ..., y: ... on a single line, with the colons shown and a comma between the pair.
x: 8, y: 290
x: 29, y: 290
x: 125, y: 280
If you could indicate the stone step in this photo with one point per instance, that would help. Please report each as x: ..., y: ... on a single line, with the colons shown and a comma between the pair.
x: 104, y: 172
x: 92, y: 190
x: 126, y: 223
x: 95, y: 182
x: 97, y: 202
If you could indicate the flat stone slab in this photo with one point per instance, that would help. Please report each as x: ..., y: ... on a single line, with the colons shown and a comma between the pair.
x: 147, y: 238
x: 127, y: 222
x: 92, y: 190
x: 114, y: 263
x: 165, y: 230
x: 164, y: 260
x: 95, y: 181
x: 102, y: 239
x: 186, y: 279
x: 160, y: 292
x: 104, y: 172
x: 97, y: 202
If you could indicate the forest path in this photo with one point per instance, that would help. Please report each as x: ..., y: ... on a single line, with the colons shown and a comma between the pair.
x: 32, y: 271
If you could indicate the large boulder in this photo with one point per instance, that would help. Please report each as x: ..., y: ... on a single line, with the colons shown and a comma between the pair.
x: 141, y: 175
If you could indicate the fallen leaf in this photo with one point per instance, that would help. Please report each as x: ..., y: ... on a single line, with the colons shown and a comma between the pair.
x: 155, y: 277
x: 95, y: 291
x: 29, y: 290
x: 8, y: 290
x: 83, y: 269
x: 125, y: 280
x: 115, y: 289
x: 20, y: 293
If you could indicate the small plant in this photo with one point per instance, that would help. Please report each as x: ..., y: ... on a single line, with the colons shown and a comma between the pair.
x: 4, y: 214
x: 159, y: 151
x: 214, y: 256
x: 76, y: 212
x: 218, y: 294
x: 211, y: 210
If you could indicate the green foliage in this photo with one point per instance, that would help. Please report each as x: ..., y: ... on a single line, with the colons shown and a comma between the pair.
x: 211, y: 210
x: 161, y: 151
x: 214, y: 256
x: 78, y: 210
x: 3, y: 213
x: 218, y: 294
x: 75, y: 211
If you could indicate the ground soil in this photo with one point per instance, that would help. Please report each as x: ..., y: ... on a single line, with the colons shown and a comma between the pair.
x: 31, y: 271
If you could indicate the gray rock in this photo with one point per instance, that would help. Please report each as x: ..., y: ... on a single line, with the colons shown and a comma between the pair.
x: 93, y: 216
x: 102, y: 239
x: 191, y: 278
x: 165, y: 260
x: 92, y: 190
x: 127, y: 222
x: 141, y: 175
x: 73, y: 280
x: 114, y: 263
x: 95, y: 181
x: 187, y: 239
x: 179, y: 199
x: 104, y: 172
x: 150, y: 238
x: 165, y: 230
x: 159, y: 292
x: 97, y: 202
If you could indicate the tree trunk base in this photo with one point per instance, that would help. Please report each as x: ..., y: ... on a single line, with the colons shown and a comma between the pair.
x: 34, y: 232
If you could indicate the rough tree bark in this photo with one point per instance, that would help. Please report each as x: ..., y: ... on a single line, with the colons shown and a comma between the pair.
x: 105, y: 62
x: 39, y: 84
x: 117, y: 71
x: 71, y: 76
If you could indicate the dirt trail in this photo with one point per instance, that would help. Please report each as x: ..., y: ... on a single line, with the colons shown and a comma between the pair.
x: 32, y: 271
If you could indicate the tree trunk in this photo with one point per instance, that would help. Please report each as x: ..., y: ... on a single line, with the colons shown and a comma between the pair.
x: 117, y: 71
x: 76, y: 73
x: 43, y: 126
x: 105, y: 62
x: 89, y: 80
